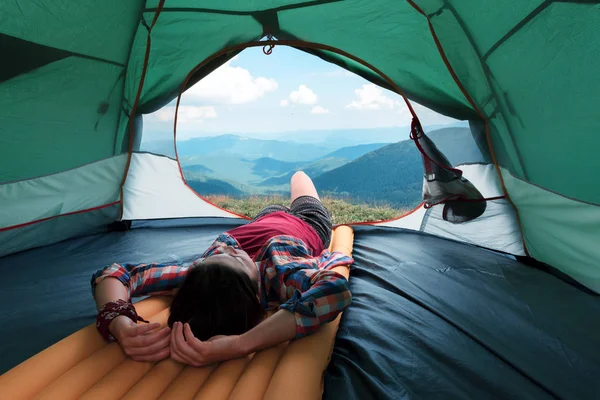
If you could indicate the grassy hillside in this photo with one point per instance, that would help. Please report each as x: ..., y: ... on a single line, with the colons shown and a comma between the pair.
x: 341, y: 211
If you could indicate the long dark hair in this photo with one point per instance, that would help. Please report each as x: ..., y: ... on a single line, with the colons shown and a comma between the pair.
x: 216, y: 299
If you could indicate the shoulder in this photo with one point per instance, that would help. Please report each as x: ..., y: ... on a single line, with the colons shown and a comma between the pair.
x: 223, y: 240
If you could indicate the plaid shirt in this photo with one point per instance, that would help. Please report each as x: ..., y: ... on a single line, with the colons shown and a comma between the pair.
x: 290, y: 278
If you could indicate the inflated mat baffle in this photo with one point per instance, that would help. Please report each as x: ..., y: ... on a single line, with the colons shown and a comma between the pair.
x: 83, y: 366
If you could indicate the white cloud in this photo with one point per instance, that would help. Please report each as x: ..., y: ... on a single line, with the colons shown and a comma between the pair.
x: 319, y: 110
x: 303, y: 96
x: 284, y: 103
x: 371, y: 97
x: 230, y: 85
x: 186, y: 113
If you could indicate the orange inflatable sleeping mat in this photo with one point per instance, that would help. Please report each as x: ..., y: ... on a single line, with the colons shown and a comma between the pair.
x: 83, y: 366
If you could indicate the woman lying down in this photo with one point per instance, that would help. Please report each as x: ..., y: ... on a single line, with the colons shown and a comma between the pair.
x: 276, y: 261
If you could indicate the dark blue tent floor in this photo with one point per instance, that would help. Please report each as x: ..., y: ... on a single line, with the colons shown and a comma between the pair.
x: 430, y: 318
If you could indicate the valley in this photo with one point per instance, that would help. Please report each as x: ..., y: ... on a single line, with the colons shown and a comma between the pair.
x: 379, y: 173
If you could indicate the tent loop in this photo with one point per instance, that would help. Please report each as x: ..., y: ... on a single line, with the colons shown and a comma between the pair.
x: 268, y: 49
x: 416, y: 132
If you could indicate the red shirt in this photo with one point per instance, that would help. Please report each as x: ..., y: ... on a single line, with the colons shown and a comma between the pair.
x: 254, y: 235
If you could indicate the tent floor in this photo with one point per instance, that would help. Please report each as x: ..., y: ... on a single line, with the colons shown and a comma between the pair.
x: 430, y: 318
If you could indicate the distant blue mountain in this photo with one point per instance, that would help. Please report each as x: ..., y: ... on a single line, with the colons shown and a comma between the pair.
x: 268, y: 167
x: 313, y: 169
x: 198, y: 168
x: 352, y: 152
x: 277, y: 145
x: 214, y: 186
x: 251, y: 148
x: 246, y: 147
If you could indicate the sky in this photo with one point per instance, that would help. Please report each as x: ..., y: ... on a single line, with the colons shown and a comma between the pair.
x: 288, y: 90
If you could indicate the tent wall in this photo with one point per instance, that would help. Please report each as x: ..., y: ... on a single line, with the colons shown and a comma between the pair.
x: 58, y: 229
x: 529, y: 68
x: 559, y: 231
x: 496, y: 229
x: 60, y: 105
x: 530, y: 72
x: 50, y: 120
x: 26, y: 205
x: 155, y: 189
x: 61, y: 92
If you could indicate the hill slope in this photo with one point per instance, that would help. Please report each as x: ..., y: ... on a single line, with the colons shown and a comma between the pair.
x: 313, y: 169
x: 214, y: 186
x: 268, y: 167
x: 353, y: 152
x: 394, y: 174
x: 341, y: 212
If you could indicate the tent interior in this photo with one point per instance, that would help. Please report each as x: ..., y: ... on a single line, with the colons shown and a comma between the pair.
x: 502, y: 303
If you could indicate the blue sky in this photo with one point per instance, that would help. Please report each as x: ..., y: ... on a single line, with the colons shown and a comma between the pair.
x: 288, y: 90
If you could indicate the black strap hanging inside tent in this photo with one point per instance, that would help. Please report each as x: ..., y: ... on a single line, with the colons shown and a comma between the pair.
x: 443, y: 184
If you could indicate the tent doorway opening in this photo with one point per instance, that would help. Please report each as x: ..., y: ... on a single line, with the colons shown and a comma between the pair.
x: 247, y: 127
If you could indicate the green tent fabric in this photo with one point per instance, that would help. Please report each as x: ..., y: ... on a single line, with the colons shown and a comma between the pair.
x: 528, y: 67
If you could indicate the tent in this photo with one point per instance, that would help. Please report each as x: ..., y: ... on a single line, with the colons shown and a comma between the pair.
x: 78, y: 77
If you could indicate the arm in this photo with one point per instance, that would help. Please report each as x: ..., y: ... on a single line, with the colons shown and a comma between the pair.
x: 109, y: 290
x: 141, y: 342
x: 136, y: 280
x: 319, y: 297
x: 326, y: 296
x: 147, y: 279
x: 187, y: 349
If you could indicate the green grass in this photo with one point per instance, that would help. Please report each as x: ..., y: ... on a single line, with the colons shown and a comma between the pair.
x: 341, y: 211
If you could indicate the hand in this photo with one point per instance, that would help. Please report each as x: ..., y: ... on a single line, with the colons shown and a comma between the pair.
x: 141, y: 342
x: 187, y: 349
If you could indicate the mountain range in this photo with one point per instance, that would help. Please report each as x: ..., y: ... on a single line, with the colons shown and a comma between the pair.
x: 278, y: 144
x: 375, y: 173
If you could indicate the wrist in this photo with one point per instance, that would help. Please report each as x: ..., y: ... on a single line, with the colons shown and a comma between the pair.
x: 244, y: 345
x: 108, y: 317
x: 114, y: 324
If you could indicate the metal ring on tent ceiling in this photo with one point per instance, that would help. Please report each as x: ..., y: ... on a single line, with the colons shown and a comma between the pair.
x: 270, y: 44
